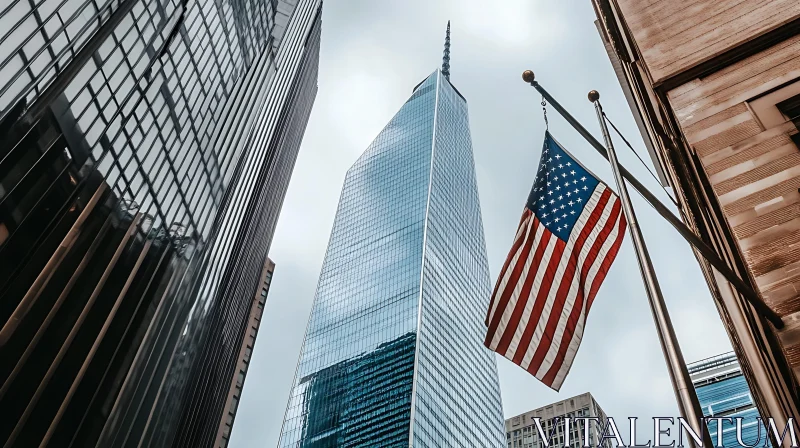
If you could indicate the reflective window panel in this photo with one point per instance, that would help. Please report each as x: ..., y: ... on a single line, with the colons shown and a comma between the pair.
x: 723, y: 392
x: 142, y: 143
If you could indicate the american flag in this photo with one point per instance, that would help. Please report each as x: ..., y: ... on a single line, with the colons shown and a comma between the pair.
x: 569, y: 235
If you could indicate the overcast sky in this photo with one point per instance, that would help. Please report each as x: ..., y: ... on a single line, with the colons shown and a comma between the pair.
x: 373, y: 54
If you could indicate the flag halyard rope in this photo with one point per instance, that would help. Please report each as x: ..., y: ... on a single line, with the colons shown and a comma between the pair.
x: 636, y: 153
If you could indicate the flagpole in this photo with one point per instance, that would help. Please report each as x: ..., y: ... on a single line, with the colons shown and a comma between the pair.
x: 705, y: 250
x: 688, y: 403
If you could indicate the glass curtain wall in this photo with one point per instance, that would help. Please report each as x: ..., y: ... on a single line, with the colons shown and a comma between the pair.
x: 393, y: 353
x: 132, y: 137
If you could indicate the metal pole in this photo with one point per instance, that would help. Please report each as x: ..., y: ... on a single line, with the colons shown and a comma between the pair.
x: 705, y: 250
x: 688, y: 404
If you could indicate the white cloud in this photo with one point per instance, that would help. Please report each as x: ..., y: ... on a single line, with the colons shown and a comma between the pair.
x: 349, y: 99
x: 636, y: 367
x: 510, y: 24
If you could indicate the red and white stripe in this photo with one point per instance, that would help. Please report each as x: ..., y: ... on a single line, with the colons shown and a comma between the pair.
x: 547, y: 285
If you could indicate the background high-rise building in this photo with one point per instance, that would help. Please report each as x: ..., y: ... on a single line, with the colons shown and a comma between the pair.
x: 393, y: 353
x: 521, y: 431
x: 145, y: 150
x: 723, y: 392
x: 717, y: 100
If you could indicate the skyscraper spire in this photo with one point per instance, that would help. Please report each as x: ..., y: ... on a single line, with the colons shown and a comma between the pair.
x: 446, y: 56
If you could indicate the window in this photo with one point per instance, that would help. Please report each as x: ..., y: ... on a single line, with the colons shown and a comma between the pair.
x: 790, y: 108
x: 778, y: 107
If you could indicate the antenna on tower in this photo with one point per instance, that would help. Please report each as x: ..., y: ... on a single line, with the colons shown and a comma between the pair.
x: 446, y: 56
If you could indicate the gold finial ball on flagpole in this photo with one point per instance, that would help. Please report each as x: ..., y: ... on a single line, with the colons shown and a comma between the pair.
x: 527, y: 76
x: 594, y: 95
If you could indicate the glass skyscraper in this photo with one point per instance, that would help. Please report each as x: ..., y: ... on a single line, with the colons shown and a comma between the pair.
x: 723, y: 392
x: 393, y: 353
x: 145, y: 150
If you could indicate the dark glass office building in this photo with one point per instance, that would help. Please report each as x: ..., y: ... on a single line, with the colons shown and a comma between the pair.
x: 723, y: 392
x: 393, y: 354
x: 145, y: 150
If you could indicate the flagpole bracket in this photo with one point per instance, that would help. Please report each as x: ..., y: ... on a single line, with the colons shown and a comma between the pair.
x: 530, y: 78
x: 544, y: 113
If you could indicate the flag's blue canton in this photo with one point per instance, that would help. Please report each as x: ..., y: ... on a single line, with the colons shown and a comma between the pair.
x: 561, y: 190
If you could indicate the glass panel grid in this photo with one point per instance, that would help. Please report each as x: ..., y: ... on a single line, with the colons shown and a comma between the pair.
x: 728, y: 396
x: 356, y: 375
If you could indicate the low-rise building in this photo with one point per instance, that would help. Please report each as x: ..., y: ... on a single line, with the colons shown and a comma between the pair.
x: 522, y: 432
